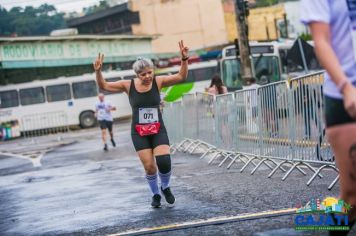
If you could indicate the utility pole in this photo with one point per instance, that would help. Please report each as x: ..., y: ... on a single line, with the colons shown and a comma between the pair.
x: 242, y: 11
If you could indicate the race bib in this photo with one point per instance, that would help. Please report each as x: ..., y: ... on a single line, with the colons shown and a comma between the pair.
x: 101, y: 112
x: 148, y: 115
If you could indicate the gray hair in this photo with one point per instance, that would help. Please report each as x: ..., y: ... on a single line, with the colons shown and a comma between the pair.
x: 141, y: 63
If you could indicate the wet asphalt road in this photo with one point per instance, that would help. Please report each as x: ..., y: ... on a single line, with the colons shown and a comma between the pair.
x: 81, y: 190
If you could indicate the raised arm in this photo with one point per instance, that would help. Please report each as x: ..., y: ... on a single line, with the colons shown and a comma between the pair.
x: 117, y: 86
x: 168, y: 80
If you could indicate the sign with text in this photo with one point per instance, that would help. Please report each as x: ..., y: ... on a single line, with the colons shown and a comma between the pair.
x: 15, y: 54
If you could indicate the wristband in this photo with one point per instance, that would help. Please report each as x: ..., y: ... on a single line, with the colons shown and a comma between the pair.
x: 342, y: 85
x: 185, y: 58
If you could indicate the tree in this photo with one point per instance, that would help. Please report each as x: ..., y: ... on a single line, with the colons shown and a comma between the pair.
x: 30, y: 21
x: 92, y: 9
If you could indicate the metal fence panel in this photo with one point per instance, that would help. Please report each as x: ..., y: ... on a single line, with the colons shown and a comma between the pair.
x: 309, y: 137
x: 274, y: 120
x: 205, y: 113
x: 225, y: 116
x: 190, y: 127
x: 172, y: 116
x: 246, y: 122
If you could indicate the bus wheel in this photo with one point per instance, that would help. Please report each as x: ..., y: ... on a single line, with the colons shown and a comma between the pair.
x: 87, y: 119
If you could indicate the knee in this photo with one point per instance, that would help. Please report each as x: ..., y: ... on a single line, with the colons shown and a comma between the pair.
x: 150, y: 169
x: 164, y: 163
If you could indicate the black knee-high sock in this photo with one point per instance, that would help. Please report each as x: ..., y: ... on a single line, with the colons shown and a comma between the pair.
x: 164, y: 169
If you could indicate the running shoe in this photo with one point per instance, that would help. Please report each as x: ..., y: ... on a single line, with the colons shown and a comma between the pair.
x: 113, y: 143
x: 156, y: 201
x: 170, y: 199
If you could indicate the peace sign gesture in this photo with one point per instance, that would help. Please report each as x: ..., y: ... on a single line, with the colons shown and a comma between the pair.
x: 98, y: 63
x: 183, y: 50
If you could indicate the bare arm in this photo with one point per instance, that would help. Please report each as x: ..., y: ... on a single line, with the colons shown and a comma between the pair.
x: 325, y: 53
x: 118, y: 86
x: 225, y: 90
x: 168, y: 80
x: 327, y: 58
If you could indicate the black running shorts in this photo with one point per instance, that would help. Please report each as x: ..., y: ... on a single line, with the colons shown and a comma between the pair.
x: 105, y: 124
x: 335, y: 112
x: 149, y: 141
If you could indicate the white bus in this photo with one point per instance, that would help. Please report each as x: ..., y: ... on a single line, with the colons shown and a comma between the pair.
x: 35, y: 103
x: 71, y: 100
x: 265, y: 60
x: 269, y: 63
x: 199, y: 77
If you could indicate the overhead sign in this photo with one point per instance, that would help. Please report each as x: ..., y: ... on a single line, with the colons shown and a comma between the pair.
x: 24, y: 54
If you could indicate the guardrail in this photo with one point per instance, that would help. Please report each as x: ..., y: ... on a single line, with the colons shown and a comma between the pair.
x: 279, y: 126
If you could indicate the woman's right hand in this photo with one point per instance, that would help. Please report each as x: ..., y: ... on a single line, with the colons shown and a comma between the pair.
x: 349, y: 93
x: 98, y: 63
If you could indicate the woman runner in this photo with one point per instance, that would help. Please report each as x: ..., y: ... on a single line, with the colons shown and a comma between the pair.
x: 148, y: 133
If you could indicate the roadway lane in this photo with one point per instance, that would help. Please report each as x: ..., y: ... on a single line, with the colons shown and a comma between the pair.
x: 79, y: 189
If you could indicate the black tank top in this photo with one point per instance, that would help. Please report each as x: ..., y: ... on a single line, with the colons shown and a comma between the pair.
x: 149, y: 99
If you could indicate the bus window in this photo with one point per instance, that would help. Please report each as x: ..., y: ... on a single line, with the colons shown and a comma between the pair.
x: 130, y: 77
x: 109, y: 80
x: 190, y: 77
x: 203, y: 73
x: 284, y: 61
x: 84, y: 89
x: 231, y: 74
x: 9, y: 99
x: 57, y: 93
x: 32, y: 96
x: 266, y: 66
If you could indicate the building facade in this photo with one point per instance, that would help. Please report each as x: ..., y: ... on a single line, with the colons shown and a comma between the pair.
x: 25, y: 59
x: 200, y: 24
x: 115, y: 20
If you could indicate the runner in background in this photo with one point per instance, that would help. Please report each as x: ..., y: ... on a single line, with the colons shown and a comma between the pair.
x: 103, y: 114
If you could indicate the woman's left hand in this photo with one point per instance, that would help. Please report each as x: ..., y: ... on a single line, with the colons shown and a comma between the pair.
x: 183, y: 49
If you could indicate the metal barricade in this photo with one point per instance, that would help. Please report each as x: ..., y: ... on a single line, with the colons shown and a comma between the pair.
x: 44, y: 124
x: 309, y: 135
x: 278, y: 125
x: 205, y: 112
x: 309, y: 140
x: 189, y: 123
x: 190, y: 128
x: 255, y: 125
x: 225, y: 118
x: 274, y: 122
x: 225, y: 123
x: 172, y: 116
